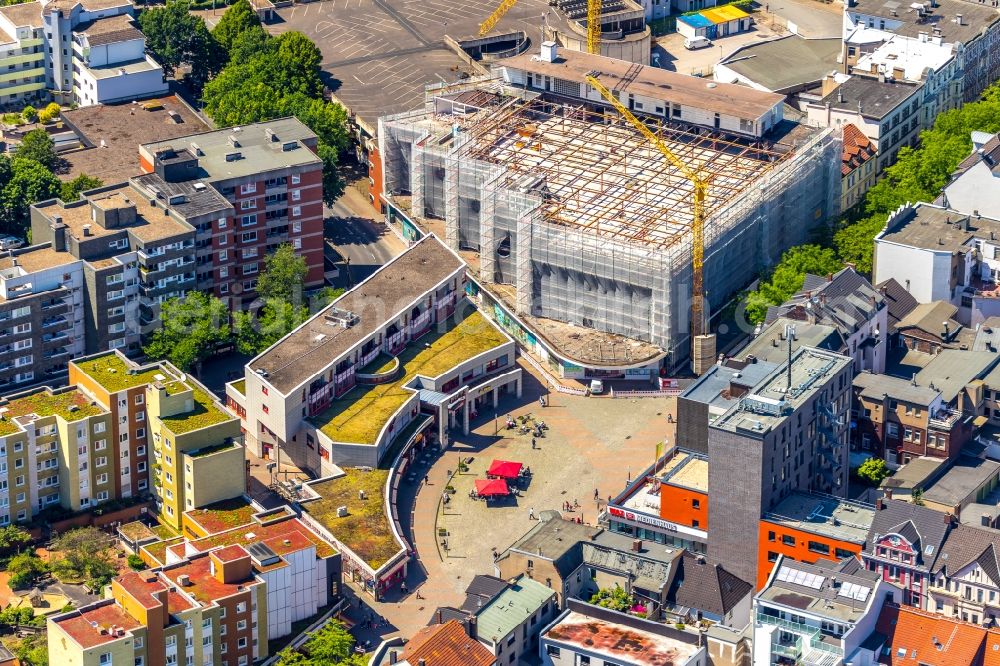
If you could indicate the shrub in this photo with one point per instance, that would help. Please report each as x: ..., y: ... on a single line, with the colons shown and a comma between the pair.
x: 30, y: 113
x: 136, y: 562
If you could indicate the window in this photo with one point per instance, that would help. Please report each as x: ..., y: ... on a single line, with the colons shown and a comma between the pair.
x: 817, y: 547
x: 139, y: 399
x: 241, y: 625
x: 249, y: 236
x: 788, y: 539
x: 552, y: 650
x: 248, y: 188
x: 296, y: 179
x: 105, y: 658
x: 248, y: 220
x: 247, y: 204
x: 695, y: 504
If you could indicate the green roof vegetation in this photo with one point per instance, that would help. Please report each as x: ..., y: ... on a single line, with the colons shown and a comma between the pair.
x: 365, y: 529
x: 158, y: 550
x: 112, y: 372
x: 379, y: 365
x: 240, y: 385
x: 7, y: 427
x: 209, y: 450
x: 205, y: 413
x: 70, y: 405
x: 136, y: 531
x: 165, y: 532
x: 224, y: 515
x: 359, y: 416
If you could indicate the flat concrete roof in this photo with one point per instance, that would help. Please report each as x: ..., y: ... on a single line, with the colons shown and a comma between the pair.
x: 786, y: 63
x: 317, y: 343
x: 963, y: 480
x: 112, y: 134
x: 624, y: 76
x: 975, y: 17
x: 824, y: 515
x: 257, y: 149
x: 692, y: 473
x: 935, y: 228
x: 811, y: 369
x: 616, y: 642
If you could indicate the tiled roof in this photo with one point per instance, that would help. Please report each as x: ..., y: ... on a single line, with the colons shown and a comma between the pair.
x: 916, y: 637
x: 966, y: 544
x: 708, y: 587
x: 90, y: 626
x: 845, y: 300
x: 927, y: 526
x: 446, y: 645
x: 900, y: 301
x: 858, y: 149
x: 991, y: 654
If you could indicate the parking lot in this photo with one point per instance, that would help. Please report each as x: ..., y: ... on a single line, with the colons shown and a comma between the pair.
x: 379, y: 54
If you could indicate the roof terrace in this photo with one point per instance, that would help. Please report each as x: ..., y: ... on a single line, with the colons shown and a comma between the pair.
x: 222, y: 516
x: 360, y: 415
x: 365, y: 529
x: 824, y: 515
x: 114, y: 373
x: 617, y: 642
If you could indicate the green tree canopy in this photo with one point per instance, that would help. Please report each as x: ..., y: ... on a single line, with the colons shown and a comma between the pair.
x: 788, y: 277
x: 23, y: 182
x: 25, y: 569
x: 615, y: 598
x: 283, y: 276
x: 38, y: 145
x: 71, y: 189
x: 191, y: 328
x: 873, y: 471
x: 84, y: 555
x: 239, y: 17
x: 331, y: 645
x: 176, y: 37
x: 13, y: 537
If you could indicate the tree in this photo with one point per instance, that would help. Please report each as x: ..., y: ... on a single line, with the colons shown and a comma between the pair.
x: 917, y: 496
x: 71, y: 189
x: 25, y: 569
x: 239, y: 17
x: 283, y: 276
x: 13, y: 537
x: 873, y: 471
x: 33, y: 650
x: 38, y: 145
x: 49, y: 113
x: 614, y: 598
x: 83, y: 555
x: 191, y: 328
x: 788, y: 277
x: 330, y: 645
x: 276, y: 319
x: 28, y: 182
x: 333, y: 183
x: 175, y: 36
x: 29, y: 113
x: 323, y: 298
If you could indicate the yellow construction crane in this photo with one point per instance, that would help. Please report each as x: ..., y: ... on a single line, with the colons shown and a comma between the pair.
x: 700, y: 189
x: 594, y: 27
x: 593, y: 22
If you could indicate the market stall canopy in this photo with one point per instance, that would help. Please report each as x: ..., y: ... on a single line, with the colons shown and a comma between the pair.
x: 507, y: 469
x: 491, y: 488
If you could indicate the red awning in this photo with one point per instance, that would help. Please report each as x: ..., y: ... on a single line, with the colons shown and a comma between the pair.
x: 507, y: 469
x: 491, y: 487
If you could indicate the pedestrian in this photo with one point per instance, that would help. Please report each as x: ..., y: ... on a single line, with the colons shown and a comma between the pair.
x: 596, y: 494
x: 531, y: 513
x: 541, y: 400
x: 404, y: 588
x: 532, y: 443
x: 427, y: 479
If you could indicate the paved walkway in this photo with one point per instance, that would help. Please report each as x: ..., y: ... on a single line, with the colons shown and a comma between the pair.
x: 592, y: 443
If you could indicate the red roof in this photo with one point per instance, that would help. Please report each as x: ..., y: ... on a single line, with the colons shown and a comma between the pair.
x: 858, y: 149
x: 490, y: 487
x: 141, y: 587
x: 203, y: 586
x: 231, y: 553
x: 917, y: 637
x: 446, y: 645
x: 86, y: 626
x: 508, y: 469
x: 291, y: 528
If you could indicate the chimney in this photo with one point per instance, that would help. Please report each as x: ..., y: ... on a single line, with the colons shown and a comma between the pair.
x: 421, y: 662
x: 879, y: 504
x: 58, y: 234
x: 949, y: 519
x: 945, y: 324
x: 438, y: 616
x: 888, y: 493
x: 86, y: 230
x: 840, y: 95
x: 986, y: 522
x: 473, y: 627
x: 636, y: 545
x: 550, y: 52
x: 958, y: 19
x: 393, y: 657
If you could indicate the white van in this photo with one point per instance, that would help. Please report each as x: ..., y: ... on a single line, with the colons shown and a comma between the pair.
x: 692, y: 43
x: 596, y: 387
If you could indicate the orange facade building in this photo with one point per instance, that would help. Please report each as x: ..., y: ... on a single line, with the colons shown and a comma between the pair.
x: 809, y: 527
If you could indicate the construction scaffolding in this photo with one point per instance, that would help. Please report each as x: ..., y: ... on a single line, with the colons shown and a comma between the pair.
x: 588, y: 221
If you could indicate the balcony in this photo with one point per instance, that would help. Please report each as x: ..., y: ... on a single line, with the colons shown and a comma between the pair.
x: 811, y: 637
x: 53, y: 321
x: 944, y: 418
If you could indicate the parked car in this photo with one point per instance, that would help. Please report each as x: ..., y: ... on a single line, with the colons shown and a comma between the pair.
x: 692, y: 43
x: 10, y: 243
x: 596, y: 387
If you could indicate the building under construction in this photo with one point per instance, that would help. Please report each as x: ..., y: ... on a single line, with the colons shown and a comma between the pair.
x: 571, y: 218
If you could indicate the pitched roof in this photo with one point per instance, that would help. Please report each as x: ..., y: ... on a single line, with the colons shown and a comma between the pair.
x: 858, y: 149
x: 511, y: 608
x: 846, y: 300
x: 555, y: 540
x: 928, y: 317
x: 967, y: 544
x: 900, y: 301
x: 707, y: 587
x: 923, y: 526
x: 918, y: 637
x: 446, y: 645
x: 953, y: 369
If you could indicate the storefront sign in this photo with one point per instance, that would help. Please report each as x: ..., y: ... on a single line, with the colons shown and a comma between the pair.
x: 637, y: 373
x: 485, y: 389
x: 642, y: 518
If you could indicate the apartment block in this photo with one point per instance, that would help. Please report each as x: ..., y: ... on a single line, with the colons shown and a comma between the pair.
x: 84, y: 52
x: 788, y: 433
x: 42, y: 320
x: 176, y: 441
x: 267, y: 186
x: 403, y: 349
x: 940, y: 254
x: 822, y: 613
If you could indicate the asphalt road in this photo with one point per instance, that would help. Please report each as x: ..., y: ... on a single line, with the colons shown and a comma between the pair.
x: 362, y: 243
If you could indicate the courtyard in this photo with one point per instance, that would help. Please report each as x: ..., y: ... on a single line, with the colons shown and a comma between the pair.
x: 591, y: 443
